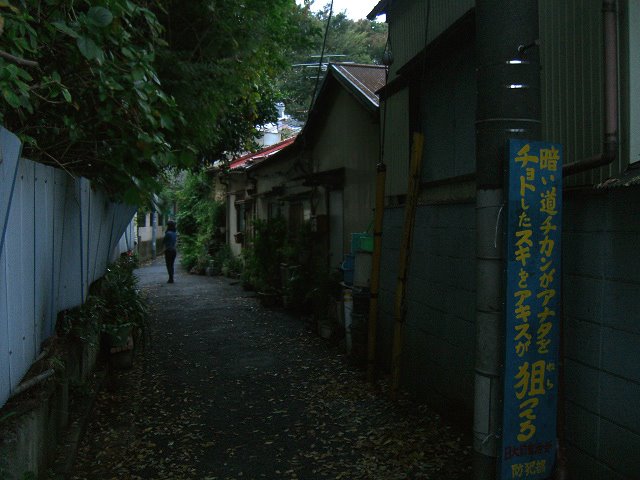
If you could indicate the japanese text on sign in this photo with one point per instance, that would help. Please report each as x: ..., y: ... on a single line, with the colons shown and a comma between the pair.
x: 532, y: 307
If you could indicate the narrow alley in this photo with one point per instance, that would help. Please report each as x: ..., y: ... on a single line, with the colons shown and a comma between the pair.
x: 225, y: 389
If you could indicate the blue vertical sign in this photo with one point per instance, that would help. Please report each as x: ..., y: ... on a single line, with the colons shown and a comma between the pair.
x: 532, y: 310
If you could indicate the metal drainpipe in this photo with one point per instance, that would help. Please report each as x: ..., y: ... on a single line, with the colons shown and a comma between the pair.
x: 508, y: 86
x: 610, y: 143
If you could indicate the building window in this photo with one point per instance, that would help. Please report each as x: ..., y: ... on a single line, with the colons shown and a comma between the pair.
x: 142, y: 219
x: 296, y: 216
x: 275, y: 210
x: 240, y: 216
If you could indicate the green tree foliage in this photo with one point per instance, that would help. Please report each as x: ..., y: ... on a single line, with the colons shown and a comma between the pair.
x: 121, y: 90
x: 221, y: 63
x: 360, y: 41
x: 199, y: 216
x: 80, y: 88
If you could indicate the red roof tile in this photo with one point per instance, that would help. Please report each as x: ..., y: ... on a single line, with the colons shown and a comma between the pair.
x: 260, y: 155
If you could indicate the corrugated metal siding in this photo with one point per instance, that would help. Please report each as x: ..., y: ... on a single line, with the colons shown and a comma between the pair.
x: 396, y: 144
x: 571, y: 57
x: 572, y: 82
x: 59, y: 238
x: 358, y: 153
x: 407, y: 19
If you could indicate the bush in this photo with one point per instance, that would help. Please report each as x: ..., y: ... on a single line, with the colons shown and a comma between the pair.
x: 123, y: 304
x: 199, y: 218
x: 262, y: 258
x: 114, y: 301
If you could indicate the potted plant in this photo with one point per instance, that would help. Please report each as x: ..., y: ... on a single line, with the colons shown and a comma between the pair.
x: 125, y: 310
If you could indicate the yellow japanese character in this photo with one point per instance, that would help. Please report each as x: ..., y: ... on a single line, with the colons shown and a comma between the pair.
x: 524, y: 186
x: 537, y: 378
x: 548, y: 201
x: 524, y: 221
x: 522, y: 387
x: 541, y: 466
x: 523, y: 339
x: 545, y: 267
x: 531, y: 174
x: 546, y: 295
x: 543, y: 345
x: 546, y: 246
x: 546, y: 313
x: 549, y: 158
x: 524, y: 243
x: 524, y: 157
x: 547, y: 225
x: 524, y: 276
x: 522, y: 295
x: 523, y: 312
x: 530, y: 468
x: 546, y: 279
x: 517, y: 470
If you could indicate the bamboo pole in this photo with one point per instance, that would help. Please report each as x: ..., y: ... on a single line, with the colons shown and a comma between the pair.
x: 375, y: 271
x: 405, y: 250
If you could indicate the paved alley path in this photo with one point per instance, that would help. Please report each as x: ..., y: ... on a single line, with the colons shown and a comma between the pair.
x: 225, y: 389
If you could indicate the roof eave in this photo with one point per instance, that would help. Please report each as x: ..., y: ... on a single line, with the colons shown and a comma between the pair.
x: 361, y: 96
x: 379, y: 9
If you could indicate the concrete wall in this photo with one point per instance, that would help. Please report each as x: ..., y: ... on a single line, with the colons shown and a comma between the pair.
x: 145, y: 250
x: 36, y: 420
x: 601, y: 284
x: 601, y: 296
x: 438, y: 350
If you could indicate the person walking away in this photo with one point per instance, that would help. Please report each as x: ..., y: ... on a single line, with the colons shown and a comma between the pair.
x: 170, y: 240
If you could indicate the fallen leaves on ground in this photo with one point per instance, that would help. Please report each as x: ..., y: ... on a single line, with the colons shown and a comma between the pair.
x: 227, y: 390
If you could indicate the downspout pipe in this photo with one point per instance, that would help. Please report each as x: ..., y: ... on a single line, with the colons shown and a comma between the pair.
x: 610, y: 143
x: 508, y: 106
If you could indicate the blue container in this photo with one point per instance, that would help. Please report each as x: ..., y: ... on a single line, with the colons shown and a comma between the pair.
x: 347, y: 269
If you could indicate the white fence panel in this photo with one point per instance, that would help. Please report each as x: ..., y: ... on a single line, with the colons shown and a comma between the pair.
x: 60, y: 196
x: 57, y: 237
x: 70, y: 292
x: 5, y: 373
x: 43, y: 273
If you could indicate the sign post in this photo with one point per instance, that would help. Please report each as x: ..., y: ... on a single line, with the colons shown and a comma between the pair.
x: 533, y: 235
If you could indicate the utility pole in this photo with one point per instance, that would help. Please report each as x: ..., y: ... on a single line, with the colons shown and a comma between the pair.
x: 154, y: 232
x: 508, y: 67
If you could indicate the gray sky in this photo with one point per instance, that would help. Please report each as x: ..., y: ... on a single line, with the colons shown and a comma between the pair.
x: 356, y: 9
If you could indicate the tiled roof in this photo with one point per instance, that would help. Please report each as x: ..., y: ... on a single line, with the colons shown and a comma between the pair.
x: 259, y: 156
x: 630, y: 177
x: 366, y: 80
